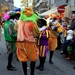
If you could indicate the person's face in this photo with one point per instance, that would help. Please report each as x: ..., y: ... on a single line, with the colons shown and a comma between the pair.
x: 73, y: 16
x: 39, y: 23
x: 64, y: 23
x: 74, y: 32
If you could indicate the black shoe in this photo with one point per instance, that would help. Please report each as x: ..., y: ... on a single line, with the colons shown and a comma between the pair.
x: 51, y: 62
x: 38, y: 67
x: 41, y: 69
x: 17, y: 59
x: 61, y: 53
x: 73, y: 67
x: 11, y: 68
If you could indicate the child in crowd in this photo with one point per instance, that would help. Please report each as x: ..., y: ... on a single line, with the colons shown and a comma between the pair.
x: 70, y: 48
x: 69, y: 38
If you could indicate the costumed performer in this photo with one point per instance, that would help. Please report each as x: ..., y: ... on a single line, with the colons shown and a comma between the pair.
x: 55, y: 29
x: 43, y: 42
x: 26, y: 46
x: 10, y: 36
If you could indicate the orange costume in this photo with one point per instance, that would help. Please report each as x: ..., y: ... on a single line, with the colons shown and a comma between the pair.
x: 52, y: 43
x: 54, y: 34
x: 27, y: 30
x: 55, y: 29
x: 53, y: 39
x: 26, y: 47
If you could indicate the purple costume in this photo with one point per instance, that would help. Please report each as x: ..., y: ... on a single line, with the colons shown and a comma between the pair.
x: 43, y: 42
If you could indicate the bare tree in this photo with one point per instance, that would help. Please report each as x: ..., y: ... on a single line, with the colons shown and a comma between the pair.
x: 3, y: 8
x: 26, y: 3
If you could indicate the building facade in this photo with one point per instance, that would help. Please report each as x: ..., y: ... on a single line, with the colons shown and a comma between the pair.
x: 44, y: 5
x: 41, y: 6
x: 9, y: 3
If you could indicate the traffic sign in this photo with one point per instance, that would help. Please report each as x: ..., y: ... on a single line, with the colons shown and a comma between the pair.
x: 61, y: 9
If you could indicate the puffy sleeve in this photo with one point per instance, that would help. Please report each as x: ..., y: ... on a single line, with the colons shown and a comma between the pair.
x: 35, y: 31
x: 11, y: 30
x: 48, y: 34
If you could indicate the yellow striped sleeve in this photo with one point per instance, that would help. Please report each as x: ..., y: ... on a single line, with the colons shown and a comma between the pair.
x: 47, y: 34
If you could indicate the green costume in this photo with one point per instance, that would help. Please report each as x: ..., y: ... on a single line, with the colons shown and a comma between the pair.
x: 10, y: 36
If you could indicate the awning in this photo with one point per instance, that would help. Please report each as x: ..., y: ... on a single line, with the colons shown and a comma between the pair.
x: 54, y: 11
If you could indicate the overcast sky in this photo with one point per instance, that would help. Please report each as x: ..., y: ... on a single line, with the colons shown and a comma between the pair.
x: 17, y: 3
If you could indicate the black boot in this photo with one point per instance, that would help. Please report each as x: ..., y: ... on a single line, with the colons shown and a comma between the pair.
x: 39, y: 66
x: 74, y: 67
x: 32, y: 67
x: 9, y: 66
x: 24, y: 66
x: 50, y: 58
x: 42, y: 63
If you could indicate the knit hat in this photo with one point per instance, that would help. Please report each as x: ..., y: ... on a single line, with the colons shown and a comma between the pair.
x: 42, y: 22
x: 27, y: 14
x: 17, y: 10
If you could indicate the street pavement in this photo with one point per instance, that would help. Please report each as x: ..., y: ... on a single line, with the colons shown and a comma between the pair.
x: 60, y: 67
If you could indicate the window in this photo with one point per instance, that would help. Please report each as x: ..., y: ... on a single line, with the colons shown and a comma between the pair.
x: 52, y: 1
x: 67, y: 1
x: 74, y: 2
x: 49, y: 1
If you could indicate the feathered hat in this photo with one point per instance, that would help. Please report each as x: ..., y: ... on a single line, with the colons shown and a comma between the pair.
x: 10, y: 15
x: 27, y: 14
x: 6, y: 16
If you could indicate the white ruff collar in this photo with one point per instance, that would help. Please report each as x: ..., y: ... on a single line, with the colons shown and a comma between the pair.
x: 42, y: 28
x: 55, y: 22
